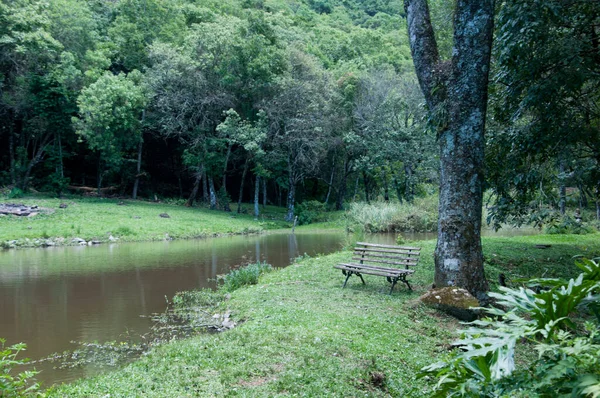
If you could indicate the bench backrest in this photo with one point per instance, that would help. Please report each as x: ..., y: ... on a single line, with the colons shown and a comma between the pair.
x: 386, y: 254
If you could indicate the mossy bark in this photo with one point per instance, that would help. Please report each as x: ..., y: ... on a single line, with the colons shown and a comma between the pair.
x: 460, y: 94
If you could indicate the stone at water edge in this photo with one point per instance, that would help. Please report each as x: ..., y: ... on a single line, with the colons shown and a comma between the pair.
x: 452, y: 300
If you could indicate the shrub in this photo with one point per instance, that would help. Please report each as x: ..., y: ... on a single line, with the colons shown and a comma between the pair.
x: 568, y: 361
x: 15, y: 193
x: 311, y: 211
x: 420, y: 216
x: 247, y: 275
x: 22, y: 384
x: 567, y: 225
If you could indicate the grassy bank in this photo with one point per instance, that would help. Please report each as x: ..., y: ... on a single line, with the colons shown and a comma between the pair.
x: 300, y: 334
x: 98, y: 219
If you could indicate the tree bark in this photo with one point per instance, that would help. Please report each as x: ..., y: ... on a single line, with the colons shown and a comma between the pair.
x: 244, y: 172
x: 256, y: 195
x: 458, y: 255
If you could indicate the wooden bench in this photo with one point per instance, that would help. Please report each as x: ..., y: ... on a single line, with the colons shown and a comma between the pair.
x: 368, y: 259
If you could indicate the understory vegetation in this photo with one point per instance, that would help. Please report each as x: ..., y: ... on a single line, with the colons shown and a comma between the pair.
x: 299, y: 333
x: 417, y: 216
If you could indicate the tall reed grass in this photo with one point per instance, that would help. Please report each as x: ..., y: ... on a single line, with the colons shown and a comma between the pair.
x: 418, y: 216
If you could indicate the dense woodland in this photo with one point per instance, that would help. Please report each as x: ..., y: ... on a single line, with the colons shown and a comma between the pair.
x: 284, y: 101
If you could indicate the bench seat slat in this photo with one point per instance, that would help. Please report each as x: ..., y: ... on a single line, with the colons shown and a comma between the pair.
x: 387, y: 246
x: 403, y: 252
x: 399, y: 258
x: 385, y: 261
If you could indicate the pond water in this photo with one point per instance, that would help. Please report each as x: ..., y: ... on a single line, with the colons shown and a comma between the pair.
x: 50, y: 297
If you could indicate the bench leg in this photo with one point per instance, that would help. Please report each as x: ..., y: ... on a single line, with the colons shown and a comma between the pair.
x: 361, y: 278
x: 348, y: 274
x: 394, y: 281
x: 406, y: 282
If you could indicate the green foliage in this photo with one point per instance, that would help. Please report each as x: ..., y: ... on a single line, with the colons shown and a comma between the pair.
x: 21, y: 384
x: 246, y: 275
x: 311, y: 211
x: 567, y: 361
x: 568, y: 225
x: 15, y: 193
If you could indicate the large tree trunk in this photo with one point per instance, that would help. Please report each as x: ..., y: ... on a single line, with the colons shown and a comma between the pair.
x: 244, y: 172
x: 458, y: 255
x: 136, y: 183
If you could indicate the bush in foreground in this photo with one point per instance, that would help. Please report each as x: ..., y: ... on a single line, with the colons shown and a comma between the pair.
x: 244, y: 276
x: 550, y: 321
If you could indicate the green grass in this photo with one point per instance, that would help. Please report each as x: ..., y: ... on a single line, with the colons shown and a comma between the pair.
x: 97, y: 219
x: 419, y: 216
x: 300, y: 334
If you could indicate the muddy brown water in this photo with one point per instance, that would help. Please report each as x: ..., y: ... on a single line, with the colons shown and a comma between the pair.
x: 50, y: 297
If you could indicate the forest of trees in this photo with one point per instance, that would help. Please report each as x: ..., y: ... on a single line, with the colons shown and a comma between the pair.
x: 282, y: 101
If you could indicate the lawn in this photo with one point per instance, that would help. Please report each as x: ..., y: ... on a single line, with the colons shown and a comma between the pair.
x: 300, y: 334
x: 98, y: 219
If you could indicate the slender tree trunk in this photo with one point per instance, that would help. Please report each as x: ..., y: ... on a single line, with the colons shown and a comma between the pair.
x: 458, y: 255
x: 244, y: 172
x: 256, y: 196
x: 408, y: 183
x: 386, y: 190
x: 366, y: 184
x: 224, y: 187
x: 278, y: 195
x: 264, y: 193
x: 339, y: 205
x: 291, y: 199
x: 198, y: 177
x: 562, y: 203
x: 213, y: 194
x: 136, y: 183
x: 11, y: 150
x: 100, y: 174
x: 205, y: 194
x: 356, y: 187
x: 37, y: 157
x: 61, y: 169
x: 330, y: 183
